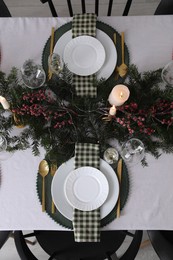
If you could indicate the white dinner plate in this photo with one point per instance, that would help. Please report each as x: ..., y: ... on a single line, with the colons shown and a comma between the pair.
x: 110, y: 50
x: 59, y: 198
x: 84, y: 55
x: 86, y: 188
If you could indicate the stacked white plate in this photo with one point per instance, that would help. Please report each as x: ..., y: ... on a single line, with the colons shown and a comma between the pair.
x: 107, y: 184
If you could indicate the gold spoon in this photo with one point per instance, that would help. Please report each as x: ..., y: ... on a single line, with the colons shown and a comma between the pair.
x: 122, y: 69
x: 43, y: 171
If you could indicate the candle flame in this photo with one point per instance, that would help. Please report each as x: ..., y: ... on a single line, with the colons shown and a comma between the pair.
x: 121, y: 94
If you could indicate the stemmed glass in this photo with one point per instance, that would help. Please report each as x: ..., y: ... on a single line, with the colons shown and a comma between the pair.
x: 33, y: 74
x: 167, y: 73
x: 55, y: 64
x: 133, y: 151
x: 4, y: 155
x: 111, y: 155
x: 3, y: 143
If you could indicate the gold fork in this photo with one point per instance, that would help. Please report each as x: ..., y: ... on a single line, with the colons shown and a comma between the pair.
x: 53, y: 168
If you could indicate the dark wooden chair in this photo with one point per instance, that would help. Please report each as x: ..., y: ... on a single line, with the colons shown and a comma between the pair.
x: 164, y: 7
x: 83, y: 7
x: 61, y: 245
x: 4, y: 12
x: 162, y: 242
x: 4, y: 235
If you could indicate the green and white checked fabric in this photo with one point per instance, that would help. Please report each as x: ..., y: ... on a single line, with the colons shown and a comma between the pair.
x: 86, y: 224
x: 84, y: 85
x: 87, y: 154
x: 84, y: 24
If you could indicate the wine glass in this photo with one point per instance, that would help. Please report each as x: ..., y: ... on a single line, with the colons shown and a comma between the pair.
x: 133, y: 151
x: 3, y: 143
x: 167, y: 73
x: 33, y: 74
x: 4, y: 155
x: 111, y: 155
x: 55, y: 63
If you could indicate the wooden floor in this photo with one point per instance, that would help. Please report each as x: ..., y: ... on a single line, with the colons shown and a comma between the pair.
x: 35, y: 8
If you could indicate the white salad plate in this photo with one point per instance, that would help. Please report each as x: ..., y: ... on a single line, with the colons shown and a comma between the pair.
x: 111, y: 53
x: 59, y: 197
x: 84, y: 55
x: 86, y: 188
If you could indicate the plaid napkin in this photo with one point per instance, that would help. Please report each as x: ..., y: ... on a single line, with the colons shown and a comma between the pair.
x: 84, y: 24
x: 86, y: 224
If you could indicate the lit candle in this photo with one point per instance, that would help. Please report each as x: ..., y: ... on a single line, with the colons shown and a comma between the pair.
x: 4, y: 103
x: 119, y: 95
x: 112, y: 110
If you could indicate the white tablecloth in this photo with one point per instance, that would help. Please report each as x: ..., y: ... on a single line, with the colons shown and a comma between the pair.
x: 149, y: 206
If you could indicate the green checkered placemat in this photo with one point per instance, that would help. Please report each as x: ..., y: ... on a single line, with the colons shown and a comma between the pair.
x: 86, y: 224
x: 84, y: 24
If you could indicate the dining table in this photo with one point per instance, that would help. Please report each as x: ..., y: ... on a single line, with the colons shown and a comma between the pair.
x: 149, y: 203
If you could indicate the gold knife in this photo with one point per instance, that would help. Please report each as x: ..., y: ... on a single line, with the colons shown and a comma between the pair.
x: 53, y: 168
x: 116, y: 70
x: 51, y: 50
x: 119, y: 173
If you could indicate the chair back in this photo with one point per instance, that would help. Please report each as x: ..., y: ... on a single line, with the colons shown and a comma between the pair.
x: 84, y: 4
x: 4, y: 12
x: 162, y: 242
x: 61, y: 245
x: 164, y: 7
x: 4, y: 235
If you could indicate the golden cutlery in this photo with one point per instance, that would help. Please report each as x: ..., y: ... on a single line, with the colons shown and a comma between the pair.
x: 43, y: 171
x: 115, y: 38
x: 17, y: 121
x: 122, y: 69
x: 53, y: 168
x: 119, y: 173
x: 116, y: 70
x: 51, y: 50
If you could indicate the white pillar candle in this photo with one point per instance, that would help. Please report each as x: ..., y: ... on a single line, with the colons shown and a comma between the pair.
x: 119, y: 94
x: 112, y: 110
x: 4, y: 103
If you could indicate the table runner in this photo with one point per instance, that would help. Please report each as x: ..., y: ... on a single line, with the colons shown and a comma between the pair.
x: 86, y: 224
x: 84, y: 24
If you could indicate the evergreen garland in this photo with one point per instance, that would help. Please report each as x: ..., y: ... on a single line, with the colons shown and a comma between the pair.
x: 55, y: 118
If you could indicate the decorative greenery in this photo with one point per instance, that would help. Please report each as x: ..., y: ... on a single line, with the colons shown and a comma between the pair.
x: 55, y: 118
